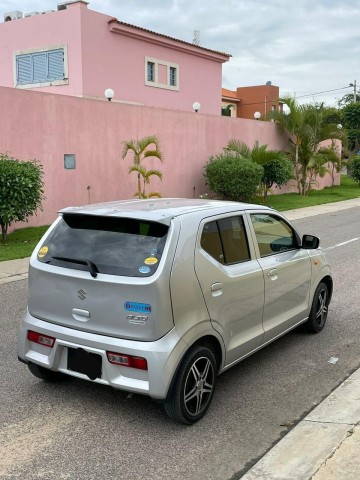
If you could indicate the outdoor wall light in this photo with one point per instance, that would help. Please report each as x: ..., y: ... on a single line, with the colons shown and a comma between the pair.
x: 257, y: 115
x: 109, y: 94
x: 196, y: 106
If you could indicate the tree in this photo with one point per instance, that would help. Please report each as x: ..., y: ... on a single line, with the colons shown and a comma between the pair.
x: 351, y: 120
x: 332, y: 158
x: 278, y: 171
x: 307, y: 128
x: 354, y: 168
x: 144, y: 148
x: 332, y: 115
x: 258, y: 153
x: 349, y: 98
x: 21, y: 191
x: 145, y: 176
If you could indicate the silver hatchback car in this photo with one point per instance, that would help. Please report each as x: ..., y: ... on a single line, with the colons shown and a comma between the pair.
x: 158, y: 297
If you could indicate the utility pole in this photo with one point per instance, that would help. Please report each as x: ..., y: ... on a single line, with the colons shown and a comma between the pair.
x: 353, y: 85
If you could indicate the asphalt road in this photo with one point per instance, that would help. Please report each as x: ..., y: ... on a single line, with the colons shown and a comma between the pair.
x: 80, y: 430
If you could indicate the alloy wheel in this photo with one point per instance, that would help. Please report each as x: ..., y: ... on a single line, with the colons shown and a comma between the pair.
x: 322, y: 308
x: 199, y: 385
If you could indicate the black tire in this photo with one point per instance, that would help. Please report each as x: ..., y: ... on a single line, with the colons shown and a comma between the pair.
x: 45, y: 373
x: 194, y: 386
x: 319, y: 309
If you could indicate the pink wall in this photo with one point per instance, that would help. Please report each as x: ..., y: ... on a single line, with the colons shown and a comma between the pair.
x: 36, y: 125
x: 100, y: 58
x: 46, y: 126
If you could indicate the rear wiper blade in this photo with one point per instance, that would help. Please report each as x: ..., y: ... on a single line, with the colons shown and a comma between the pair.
x: 81, y: 261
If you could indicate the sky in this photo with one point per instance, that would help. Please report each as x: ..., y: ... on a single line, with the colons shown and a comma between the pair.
x: 303, y: 46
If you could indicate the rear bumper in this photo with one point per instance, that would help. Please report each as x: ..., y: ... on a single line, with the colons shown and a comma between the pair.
x: 163, y: 356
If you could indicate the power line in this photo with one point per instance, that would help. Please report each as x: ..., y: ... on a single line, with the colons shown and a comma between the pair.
x: 320, y: 93
x: 326, y: 92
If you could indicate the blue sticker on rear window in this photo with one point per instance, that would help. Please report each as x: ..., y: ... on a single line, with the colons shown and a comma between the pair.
x: 137, y: 307
x: 144, y: 269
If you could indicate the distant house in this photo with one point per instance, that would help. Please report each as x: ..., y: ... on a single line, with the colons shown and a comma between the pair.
x: 244, y: 102
x: 79, y: 52
x: 229, y: 103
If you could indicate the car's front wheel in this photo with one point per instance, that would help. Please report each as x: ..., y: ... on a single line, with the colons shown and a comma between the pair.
x: 319, y: 309
x: 194, y: 386
x: 45, y: 373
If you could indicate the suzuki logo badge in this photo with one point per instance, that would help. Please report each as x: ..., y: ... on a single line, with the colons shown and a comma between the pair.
x: 82, y: 294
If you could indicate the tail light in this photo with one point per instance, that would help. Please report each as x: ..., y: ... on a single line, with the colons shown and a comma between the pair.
x: 41, y: 339
x: 127, y: 360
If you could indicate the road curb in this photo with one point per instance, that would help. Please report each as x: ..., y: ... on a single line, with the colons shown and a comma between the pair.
x: 308, y: 446
x: 13, y: 278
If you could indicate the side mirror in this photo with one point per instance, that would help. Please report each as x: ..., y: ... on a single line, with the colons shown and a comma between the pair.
x: 310, y: 242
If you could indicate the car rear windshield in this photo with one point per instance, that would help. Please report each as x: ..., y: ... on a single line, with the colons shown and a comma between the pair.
x: 111, y: 245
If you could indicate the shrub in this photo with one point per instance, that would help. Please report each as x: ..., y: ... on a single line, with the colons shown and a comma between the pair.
x: 354, y: 168
x: 278, y: 171
x: 232, y: 178
x: 21, y: 191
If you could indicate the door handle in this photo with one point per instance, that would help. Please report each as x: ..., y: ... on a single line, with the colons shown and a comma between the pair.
x: 272, y: 273
x: 80, y: 315
x: 216, y: 289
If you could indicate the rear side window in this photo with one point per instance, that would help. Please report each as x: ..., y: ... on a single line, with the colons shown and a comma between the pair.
x: 111, y: 245
x: 211, y: 242
x: 225, y: 240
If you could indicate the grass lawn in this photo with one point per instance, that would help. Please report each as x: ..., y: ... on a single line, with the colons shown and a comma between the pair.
x: 21, y: 243
x: 289, y: 201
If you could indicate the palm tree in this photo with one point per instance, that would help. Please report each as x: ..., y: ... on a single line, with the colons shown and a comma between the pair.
x: 260, y: 155
x: 307, y: 127
x: 325, y: 160
x: 145, y: 176
x: 144, y: 148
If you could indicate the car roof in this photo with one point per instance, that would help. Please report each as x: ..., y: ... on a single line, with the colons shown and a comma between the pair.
x: 159, y: 209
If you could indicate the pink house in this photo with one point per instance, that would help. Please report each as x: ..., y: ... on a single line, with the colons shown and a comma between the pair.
x: 79, y: 52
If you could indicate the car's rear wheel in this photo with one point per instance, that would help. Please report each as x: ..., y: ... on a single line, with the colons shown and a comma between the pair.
x: 319, y: 309
x: 194, y: 386
x: 44, y: 373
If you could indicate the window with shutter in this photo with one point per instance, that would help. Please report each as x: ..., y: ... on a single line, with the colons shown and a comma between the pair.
x: 40, y: 67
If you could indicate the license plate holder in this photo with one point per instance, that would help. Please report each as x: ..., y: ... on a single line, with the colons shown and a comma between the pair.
x: 87, y: 363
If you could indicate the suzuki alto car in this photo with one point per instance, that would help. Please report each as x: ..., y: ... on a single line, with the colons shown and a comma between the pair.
x: 158, y: 297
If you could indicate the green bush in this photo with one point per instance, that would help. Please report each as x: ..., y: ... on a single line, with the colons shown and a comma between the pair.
x: 233, y: 178
x: 21, y: 190
x: 278, y: 171
x: 353, y: 168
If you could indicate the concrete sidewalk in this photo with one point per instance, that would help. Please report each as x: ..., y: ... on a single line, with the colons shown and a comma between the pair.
x: 325, y: 445
x: 14, y: 270
x: 320, y: 209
